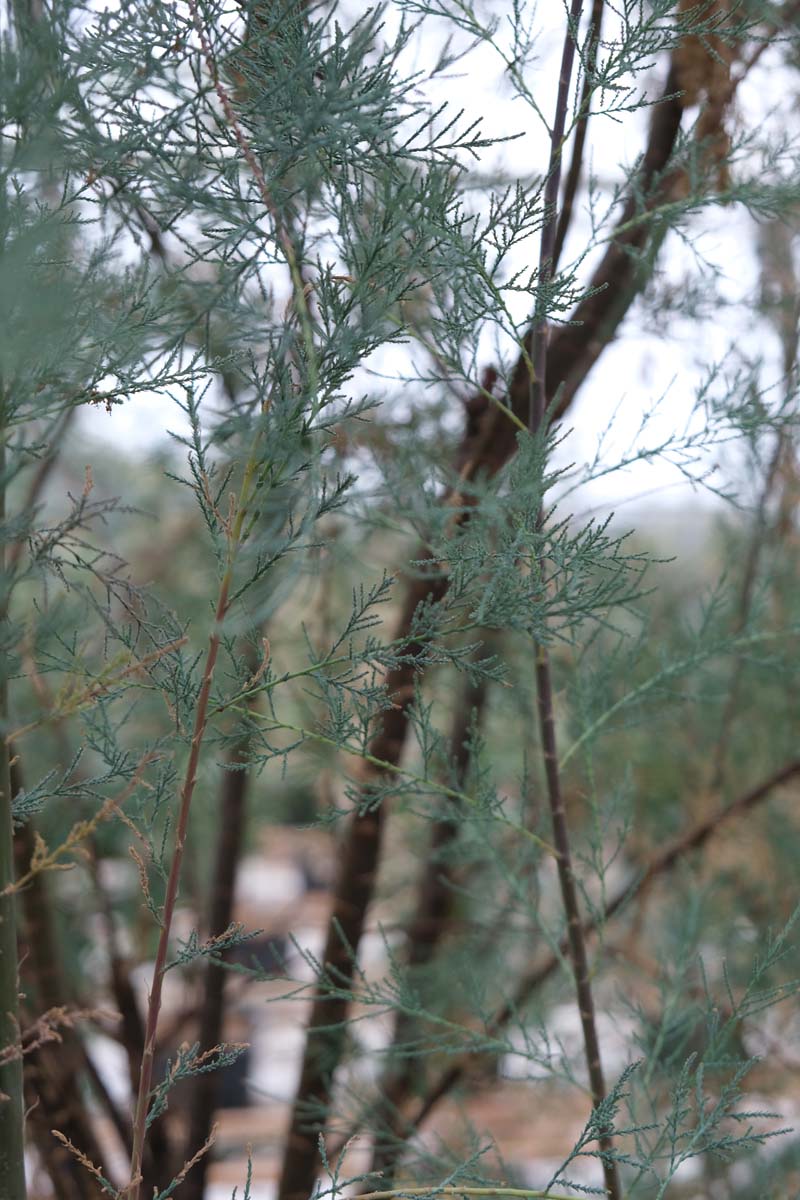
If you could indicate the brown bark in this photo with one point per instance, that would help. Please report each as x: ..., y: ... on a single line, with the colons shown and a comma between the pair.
x: 578, y: 954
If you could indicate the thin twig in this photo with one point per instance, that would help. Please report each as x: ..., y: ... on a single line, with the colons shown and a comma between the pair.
x: 544, y: 684
x: 433, y: 1190
x: 578, y: 146
x: 548, y: 240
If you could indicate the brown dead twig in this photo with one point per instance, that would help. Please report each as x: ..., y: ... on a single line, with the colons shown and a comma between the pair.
x: 49, y: 1027
x: 84, y: 1161
x: 44, y: 859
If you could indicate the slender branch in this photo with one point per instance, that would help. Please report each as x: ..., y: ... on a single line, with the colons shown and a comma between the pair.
x: 544, y: 685
x: 576, y: 938
x: 434, y: 1190
x: 579, y: 144
x: 538, y: 336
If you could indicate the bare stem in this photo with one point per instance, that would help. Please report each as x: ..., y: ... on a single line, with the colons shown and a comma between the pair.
x: 579, y: 145
x: 544, y: 686
x: 569, y: 893
x: 548, y: 242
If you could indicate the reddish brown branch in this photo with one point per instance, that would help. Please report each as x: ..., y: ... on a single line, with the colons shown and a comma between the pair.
x: 576, y: 937
x: 576, y: 161
x: 576, y: 940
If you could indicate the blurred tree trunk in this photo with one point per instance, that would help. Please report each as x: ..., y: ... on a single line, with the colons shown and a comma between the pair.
x: 54, y: 1071
x: 232, y: 822
x: 12, y: 1168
